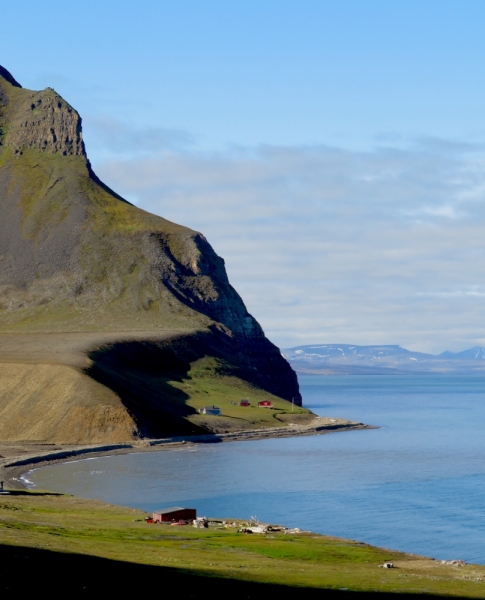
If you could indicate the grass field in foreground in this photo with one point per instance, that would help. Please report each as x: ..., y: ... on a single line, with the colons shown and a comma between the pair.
x: 61, y: 543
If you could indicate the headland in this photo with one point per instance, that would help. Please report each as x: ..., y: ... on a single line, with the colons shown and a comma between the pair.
x: 116, y: 325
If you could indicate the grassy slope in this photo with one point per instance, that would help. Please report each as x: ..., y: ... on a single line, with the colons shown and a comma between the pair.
x: 164, y: 384
x: 62, y: 404
x: 45, y: 185
x: 207, y: 387
x: 55, y: 534
x: 202, y: 382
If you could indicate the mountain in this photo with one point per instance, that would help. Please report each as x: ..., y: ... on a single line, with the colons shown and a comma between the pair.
x: 352, y: 359
x: 134, y: 313
x: 476, y: 353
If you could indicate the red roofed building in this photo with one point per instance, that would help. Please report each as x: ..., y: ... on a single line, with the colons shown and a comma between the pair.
x: 176, y: 513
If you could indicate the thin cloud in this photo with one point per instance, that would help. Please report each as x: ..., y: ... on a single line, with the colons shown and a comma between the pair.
x: 112, y: 137
x: 455, y: 294
x: 327, y: 244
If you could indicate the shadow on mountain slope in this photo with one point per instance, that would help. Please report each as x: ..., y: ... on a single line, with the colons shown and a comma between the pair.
x: 142, y: 373
x: 152, y: 378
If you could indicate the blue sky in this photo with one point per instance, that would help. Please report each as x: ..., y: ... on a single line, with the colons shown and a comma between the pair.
x: 343, y: 72
x: 331, y: 151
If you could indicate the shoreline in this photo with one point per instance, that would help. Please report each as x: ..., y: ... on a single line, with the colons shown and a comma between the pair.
x: 408, y: 572
x: 105, y: 547
x: 12, y: 468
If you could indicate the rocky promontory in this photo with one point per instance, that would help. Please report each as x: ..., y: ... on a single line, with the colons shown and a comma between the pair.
x: 143, y: 303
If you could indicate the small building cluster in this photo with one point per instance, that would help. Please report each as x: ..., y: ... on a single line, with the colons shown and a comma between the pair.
x: 261, y: 403
x: 216, y: 410
x: 178, y: 515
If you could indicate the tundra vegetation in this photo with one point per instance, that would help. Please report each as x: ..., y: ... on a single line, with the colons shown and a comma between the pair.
x: 71, y: 544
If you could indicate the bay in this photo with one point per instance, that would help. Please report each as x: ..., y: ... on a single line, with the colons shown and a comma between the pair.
x: 415, y: 484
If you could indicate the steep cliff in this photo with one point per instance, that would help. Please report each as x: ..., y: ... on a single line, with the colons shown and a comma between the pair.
x: 76, y: 257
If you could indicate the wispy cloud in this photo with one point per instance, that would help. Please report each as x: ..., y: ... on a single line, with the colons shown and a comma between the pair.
x: 113, y: 138
x: 326, y: 244
x: 454, y: 294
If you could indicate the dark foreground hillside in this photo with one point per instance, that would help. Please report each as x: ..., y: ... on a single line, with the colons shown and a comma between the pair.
x: 65, y: 573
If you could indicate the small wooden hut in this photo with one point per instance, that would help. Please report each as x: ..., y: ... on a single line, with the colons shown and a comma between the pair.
x: 176, y: 513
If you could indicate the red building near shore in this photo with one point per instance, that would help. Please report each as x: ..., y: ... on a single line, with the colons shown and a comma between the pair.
x: 176, y: 513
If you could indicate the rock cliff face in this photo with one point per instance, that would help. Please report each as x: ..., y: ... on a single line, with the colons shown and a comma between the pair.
x: 44, y: 121
x: 75, y: 256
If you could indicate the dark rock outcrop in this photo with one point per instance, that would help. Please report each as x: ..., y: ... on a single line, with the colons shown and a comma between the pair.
x: 4, y: 74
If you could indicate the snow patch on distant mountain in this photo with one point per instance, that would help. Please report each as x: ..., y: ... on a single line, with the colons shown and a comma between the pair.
x: 340, y: 358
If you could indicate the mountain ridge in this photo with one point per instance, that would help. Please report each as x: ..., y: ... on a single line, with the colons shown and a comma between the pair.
x: 385, y: 358
x: 77, y: 258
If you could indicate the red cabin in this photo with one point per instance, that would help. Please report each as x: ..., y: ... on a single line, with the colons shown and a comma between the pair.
x: 244, y: 403
x: 265, y: 404
x: 176, y: 513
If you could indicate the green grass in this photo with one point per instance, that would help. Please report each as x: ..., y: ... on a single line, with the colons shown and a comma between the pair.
x: 46, y: 182
x: 71, y: 526
x: 48, y: 189
x: 171, y: 396
x: 207, y: 386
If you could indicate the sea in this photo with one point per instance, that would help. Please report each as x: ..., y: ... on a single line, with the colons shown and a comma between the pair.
x: 416, y: 483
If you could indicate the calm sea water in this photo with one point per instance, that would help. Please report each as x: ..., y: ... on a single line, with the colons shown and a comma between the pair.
x: 417, y: 484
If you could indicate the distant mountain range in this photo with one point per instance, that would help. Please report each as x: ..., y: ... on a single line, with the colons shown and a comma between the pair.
x: 332, y: 359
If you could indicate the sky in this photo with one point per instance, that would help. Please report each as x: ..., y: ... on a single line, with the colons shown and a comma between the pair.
x: 331, y: 151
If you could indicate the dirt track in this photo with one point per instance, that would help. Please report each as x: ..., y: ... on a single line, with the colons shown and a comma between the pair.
x: 69, y: 349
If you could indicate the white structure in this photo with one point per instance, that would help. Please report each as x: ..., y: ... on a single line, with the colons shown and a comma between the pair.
x: 210, y: 410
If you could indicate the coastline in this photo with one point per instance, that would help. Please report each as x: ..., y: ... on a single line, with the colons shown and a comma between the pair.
x: 23, y: 456
x: 84, y: 536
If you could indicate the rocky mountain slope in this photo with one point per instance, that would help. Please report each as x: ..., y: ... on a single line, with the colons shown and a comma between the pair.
x: 76, y: 257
